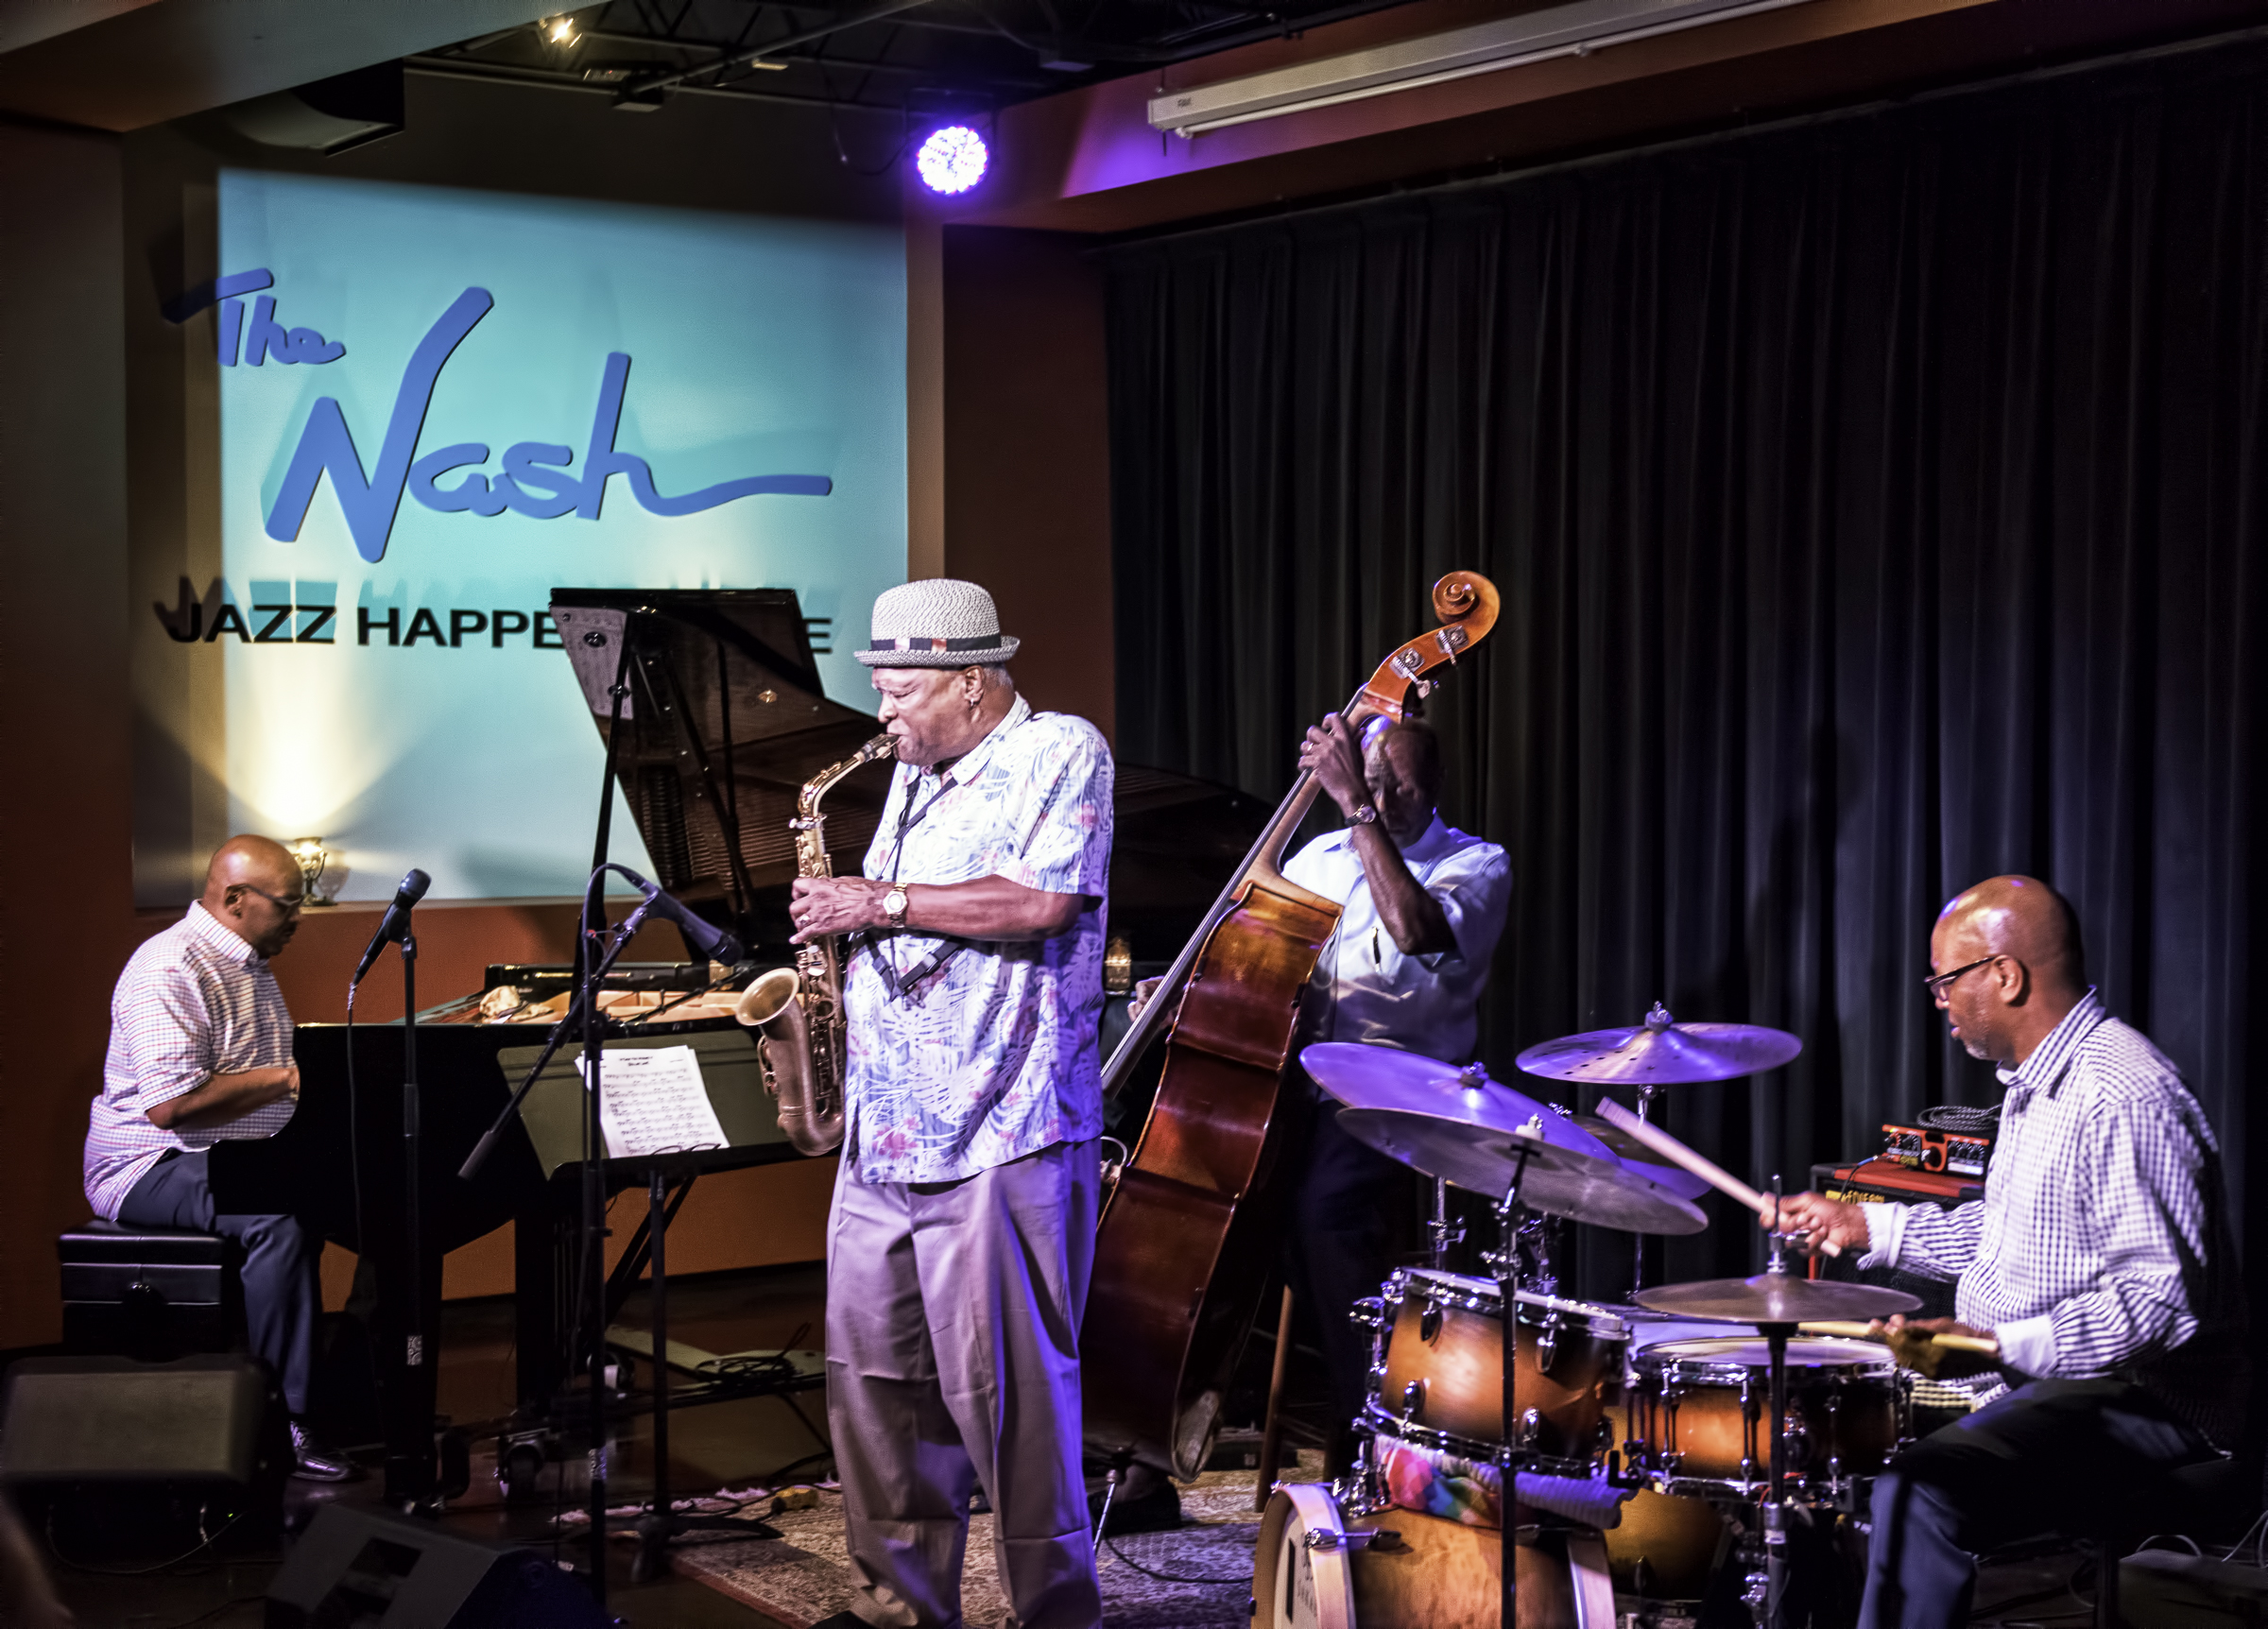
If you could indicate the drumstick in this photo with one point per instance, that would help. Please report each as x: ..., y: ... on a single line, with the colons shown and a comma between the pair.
x: 1868, y: 1332
x: 1715, y: 1175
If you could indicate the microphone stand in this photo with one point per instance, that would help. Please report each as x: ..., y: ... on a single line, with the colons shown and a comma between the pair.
x: 411, y: 1477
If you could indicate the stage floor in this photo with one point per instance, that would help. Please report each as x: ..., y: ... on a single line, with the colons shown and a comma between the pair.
x: 733, y: 1444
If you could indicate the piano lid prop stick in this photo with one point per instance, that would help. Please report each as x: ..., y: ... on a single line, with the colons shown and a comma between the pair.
x: 1677, y: 1152
x: 1868, y: 1332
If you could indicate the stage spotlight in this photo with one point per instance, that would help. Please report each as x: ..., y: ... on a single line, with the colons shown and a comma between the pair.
x: 953, y: 160
x: 559, y: 31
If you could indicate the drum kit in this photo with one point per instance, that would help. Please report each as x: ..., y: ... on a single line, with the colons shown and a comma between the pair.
x: 1620, y: 1447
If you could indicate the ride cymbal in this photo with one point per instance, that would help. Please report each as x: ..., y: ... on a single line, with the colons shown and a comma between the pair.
x: 1388, y: 1079
x: 1661, y: 1051
x: 1557, y: 1180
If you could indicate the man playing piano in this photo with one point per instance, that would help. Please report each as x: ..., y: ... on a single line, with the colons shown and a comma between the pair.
x: 200, y: 1053
x: 963, y: 1231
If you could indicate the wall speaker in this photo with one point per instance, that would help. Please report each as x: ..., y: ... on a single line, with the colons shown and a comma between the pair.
x: 374, y: 1569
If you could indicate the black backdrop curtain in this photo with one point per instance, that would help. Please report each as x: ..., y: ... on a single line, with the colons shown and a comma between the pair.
x: 1877, y: 507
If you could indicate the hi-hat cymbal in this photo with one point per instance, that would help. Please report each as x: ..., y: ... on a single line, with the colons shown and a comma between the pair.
x: 1639, y: 1160
x: 1558, y: 1180
x: 1388, y: 1079
x: 1661, y: 1051
x: 1776, y: 1298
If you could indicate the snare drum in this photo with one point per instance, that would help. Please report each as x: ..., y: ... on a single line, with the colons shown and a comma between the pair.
x: 1700, y: 1409
x: 1438, y: 1374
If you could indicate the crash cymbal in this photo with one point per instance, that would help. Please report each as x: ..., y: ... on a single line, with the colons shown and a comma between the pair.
x: 1639, y: 1160
x: 1661, y: 1051
x: 1559, y: 1181
x: 1389, y: 1078
x: 1776, y: 1298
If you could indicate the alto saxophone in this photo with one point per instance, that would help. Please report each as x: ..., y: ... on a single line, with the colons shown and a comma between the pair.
x: 799, y: 1010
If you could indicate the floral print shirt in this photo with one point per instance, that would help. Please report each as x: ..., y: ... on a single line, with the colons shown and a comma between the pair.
x: 964, y: 1054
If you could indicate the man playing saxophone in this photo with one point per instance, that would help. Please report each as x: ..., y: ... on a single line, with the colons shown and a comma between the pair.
x: 963, y: 1227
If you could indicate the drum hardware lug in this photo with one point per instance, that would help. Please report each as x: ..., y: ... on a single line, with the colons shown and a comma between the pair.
x: 1413, y: 1400
x: 1429, y: 1323
x: 1378, y: 1538
x: 1547, y: 1342
x: 1531, y: 1427
x: 1369, y: 1313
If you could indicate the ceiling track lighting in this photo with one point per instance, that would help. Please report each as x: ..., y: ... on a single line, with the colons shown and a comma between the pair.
x: 1573, y: 30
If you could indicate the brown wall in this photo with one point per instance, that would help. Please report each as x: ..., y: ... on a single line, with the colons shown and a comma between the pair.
x: 1014, y: 391
x: 66, y: 915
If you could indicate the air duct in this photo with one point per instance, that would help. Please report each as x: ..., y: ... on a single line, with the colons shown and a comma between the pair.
x: 327, y: 116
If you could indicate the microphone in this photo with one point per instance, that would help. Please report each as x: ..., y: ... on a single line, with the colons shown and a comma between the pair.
x: 395, y: 924
x: 708, y: 941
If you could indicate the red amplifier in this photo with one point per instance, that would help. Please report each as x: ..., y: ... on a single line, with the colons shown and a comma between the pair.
x: 1921, y: 1148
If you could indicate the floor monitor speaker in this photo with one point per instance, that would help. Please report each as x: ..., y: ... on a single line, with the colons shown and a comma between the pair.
x: 362, y: 1569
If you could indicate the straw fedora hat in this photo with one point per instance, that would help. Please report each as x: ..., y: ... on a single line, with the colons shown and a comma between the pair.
x: 936, y: 622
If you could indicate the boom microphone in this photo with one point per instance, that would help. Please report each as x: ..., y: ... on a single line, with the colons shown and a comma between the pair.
x: 707, y: 939
x: 395, y: 924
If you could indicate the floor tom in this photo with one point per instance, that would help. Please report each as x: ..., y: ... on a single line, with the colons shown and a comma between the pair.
x: 1699, y: 1414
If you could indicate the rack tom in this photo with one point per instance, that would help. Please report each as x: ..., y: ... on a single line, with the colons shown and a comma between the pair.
x: 1437, y: 1373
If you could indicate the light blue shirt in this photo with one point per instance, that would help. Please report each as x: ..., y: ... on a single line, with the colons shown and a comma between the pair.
x: 1364, y: 988
x: 993, y: 1055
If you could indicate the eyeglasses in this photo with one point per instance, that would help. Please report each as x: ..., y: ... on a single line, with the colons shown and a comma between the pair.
x: 287, y: 906
x: 1938, y: 984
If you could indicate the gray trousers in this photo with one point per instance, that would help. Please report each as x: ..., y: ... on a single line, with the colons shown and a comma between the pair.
x: 953, y: 1363
x: 283, y: 1284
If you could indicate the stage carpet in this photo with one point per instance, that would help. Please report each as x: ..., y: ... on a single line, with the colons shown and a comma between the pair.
x: 803, y: 1576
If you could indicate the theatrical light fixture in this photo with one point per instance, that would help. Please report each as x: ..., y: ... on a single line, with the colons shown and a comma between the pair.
x: 311, y: 857
x: 559, y: 31
x: 1574, y: 31
x: 951, y: 160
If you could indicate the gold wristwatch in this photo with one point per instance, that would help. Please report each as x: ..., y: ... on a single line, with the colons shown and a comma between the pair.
x: 893, y: 905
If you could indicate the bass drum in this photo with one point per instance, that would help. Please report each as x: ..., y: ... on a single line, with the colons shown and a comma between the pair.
x: 1398, y: 1569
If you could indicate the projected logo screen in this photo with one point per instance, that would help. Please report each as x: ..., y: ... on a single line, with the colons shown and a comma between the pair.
x: 438, y: 405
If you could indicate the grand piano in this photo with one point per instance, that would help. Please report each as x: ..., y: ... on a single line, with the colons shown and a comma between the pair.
x: 722, y: 719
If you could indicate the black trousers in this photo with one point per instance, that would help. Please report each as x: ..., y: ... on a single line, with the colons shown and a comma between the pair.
x: 1347, y: 1216
x: 2074, y: 1457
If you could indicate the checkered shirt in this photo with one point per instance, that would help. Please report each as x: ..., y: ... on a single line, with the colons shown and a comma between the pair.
x: 2101, y: 1247
x: 196, y: 1001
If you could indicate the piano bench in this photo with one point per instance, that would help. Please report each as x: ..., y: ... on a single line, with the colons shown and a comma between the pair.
x: 154, y: 1293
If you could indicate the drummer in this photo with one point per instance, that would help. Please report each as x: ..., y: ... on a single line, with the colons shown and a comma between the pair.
x: 1422, y: 906
x: 2098, y: 1262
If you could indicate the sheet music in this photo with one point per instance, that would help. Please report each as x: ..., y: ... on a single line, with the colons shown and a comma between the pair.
x: 652, y: 1101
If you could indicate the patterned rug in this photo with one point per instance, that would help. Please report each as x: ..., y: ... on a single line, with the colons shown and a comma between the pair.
x: 803, y: 1575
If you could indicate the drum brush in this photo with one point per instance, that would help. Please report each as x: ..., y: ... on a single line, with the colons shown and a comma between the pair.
x: 1709, y: 1171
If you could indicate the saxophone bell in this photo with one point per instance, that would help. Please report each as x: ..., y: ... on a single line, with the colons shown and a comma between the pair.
x: 765, y: 999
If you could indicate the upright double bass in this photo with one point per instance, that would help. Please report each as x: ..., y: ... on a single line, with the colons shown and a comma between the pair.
x: 1190, y: 1226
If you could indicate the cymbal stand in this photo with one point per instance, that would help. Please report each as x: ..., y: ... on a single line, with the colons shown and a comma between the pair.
x: 1513, y: 1449
x: 1647, y: 1092
x: 1773, y: 1509
x: 1440, y: 1230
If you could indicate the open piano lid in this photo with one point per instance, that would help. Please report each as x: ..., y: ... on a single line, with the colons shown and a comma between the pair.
x: 726, y: 719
